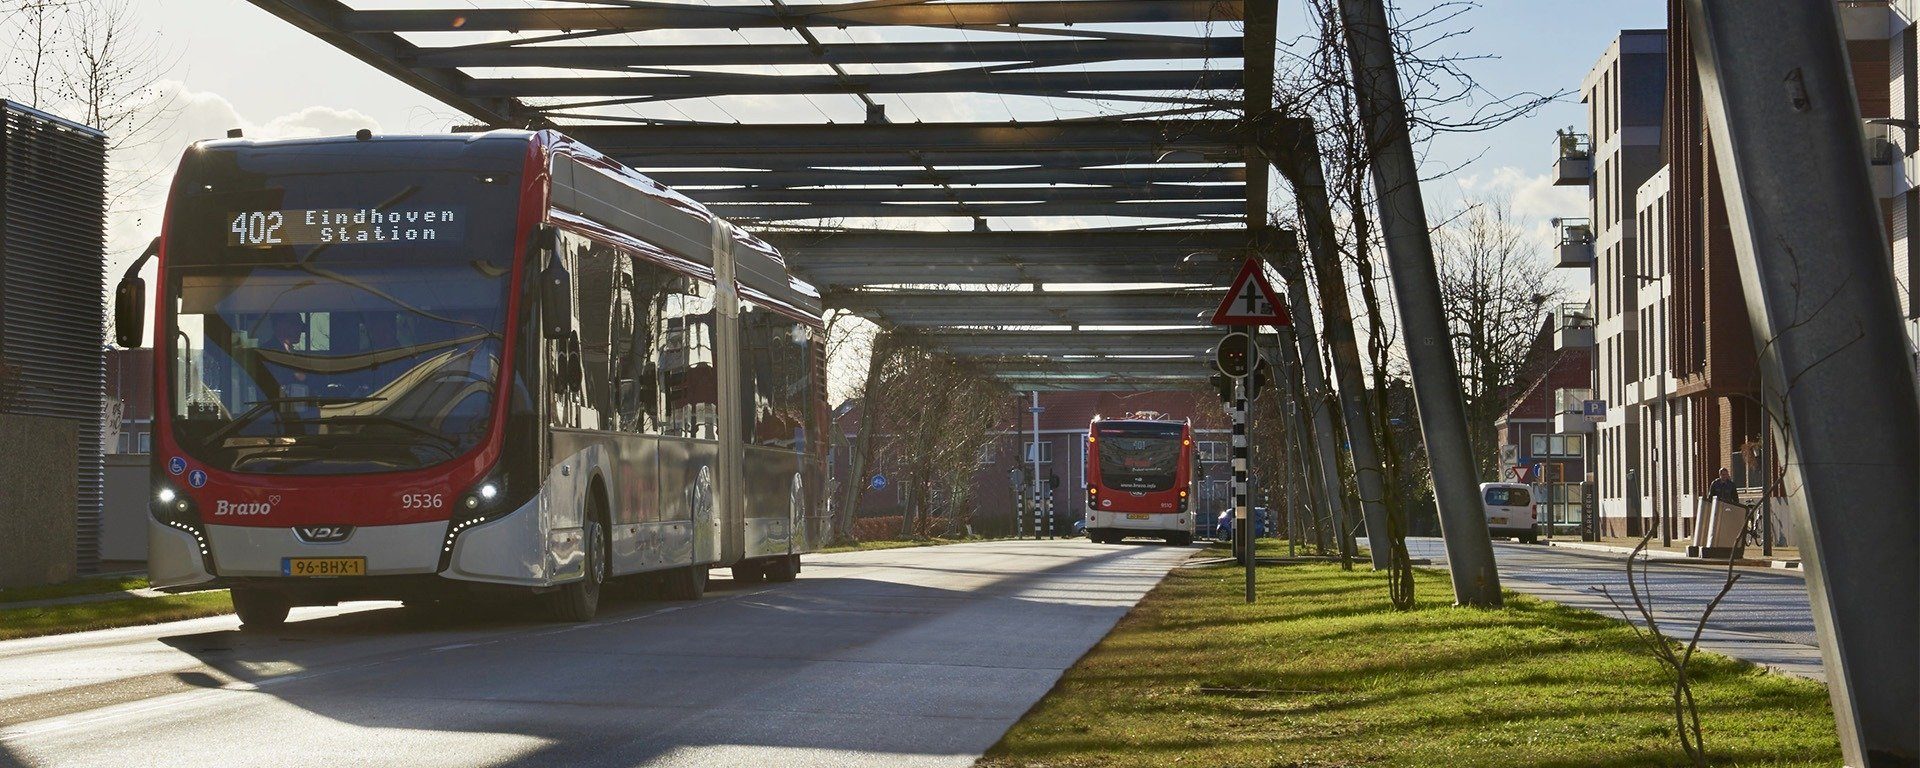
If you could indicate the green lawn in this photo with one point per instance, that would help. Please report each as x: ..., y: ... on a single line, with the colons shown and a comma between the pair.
x: 79, y: 617
x: 92, y: 586
x: 1322, y: 672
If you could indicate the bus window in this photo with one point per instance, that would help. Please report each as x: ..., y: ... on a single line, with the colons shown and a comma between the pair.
x: 689, y: 385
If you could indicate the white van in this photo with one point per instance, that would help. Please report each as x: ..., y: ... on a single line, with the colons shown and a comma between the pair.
x: 1509, y: 508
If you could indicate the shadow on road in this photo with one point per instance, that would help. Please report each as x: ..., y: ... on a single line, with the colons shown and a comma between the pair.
x: 818, y: 668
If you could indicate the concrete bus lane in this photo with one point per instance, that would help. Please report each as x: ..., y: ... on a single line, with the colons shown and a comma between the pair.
x: 920, y: 656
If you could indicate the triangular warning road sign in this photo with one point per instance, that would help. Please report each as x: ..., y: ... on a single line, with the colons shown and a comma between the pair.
x: 1251, y: 301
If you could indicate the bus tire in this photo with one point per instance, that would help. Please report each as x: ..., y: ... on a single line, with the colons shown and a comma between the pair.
x: 1180, y: 539
x: 260, y: 609
x: 748, y: 572
x: 580, y: 600
x: 780, y: 570
x: 687, y: 583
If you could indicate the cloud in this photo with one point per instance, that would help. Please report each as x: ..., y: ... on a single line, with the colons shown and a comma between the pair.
x: 144, y: 169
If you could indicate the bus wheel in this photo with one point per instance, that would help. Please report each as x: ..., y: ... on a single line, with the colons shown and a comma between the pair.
x: 580, y: 600
x: 747, y: 572
x: 781, y: 569
x: 687, y: 583
x: 1180, y: 539
x: 260, y: 609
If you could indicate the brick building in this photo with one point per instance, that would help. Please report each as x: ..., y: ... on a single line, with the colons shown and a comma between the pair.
x: 1535, y: 446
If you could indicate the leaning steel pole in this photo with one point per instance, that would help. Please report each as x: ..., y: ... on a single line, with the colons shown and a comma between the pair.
x: 1817, y: 273
x: 1316, y: 392
x: 1292, y: 149
x: 1416, y: 289
x: 1287, y: 369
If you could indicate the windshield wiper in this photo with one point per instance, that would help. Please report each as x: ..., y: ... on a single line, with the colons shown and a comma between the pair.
x: 260, y: 408
x: 375, y: 418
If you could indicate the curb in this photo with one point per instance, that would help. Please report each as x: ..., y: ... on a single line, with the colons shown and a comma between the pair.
x: 1662, y: 554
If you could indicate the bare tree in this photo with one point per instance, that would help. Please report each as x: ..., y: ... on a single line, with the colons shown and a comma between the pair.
x: 1493, y: 282
x: 109, y: 78
x: 1314, y: 80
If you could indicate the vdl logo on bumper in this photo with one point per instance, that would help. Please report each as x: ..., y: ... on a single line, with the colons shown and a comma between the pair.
x: 323, y: 534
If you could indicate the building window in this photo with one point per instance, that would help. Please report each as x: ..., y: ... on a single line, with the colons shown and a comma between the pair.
x: 1046, y: 452
x: 145, y: 442
x: 989, y: 455
x: 1214, y: 452
x: 1558, y: 446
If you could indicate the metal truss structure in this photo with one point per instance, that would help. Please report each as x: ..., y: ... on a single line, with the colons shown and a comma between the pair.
x: 969, y: 159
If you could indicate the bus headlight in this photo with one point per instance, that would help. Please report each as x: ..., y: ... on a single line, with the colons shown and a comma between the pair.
x: 477, y: 506
x: 173, y: 509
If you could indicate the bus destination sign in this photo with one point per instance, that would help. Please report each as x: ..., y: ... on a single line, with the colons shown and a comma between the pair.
x: 328, y: 226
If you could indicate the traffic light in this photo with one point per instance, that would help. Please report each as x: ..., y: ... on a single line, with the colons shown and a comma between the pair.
x: 1236, y: 356
x: 1222, y: 386
x: 1258, y: 382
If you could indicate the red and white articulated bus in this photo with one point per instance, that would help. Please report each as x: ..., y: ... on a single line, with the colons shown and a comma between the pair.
x: 1140, y: 480
x: 434, y: 367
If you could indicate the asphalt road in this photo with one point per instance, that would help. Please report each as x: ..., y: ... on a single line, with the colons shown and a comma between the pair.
x: 902, y: 657
x: 1765, y: 619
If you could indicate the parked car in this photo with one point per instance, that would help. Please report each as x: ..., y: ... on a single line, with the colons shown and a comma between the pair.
x: 1262, y: 520
x: 1509, y: 510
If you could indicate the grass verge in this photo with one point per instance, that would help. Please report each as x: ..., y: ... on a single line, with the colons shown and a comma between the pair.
x: 94, y: 586
x: 1322, y: 672
x: 80, y: 617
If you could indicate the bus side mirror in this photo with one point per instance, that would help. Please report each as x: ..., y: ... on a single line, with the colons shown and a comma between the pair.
x: 130, y: 301
x: 130, y: 311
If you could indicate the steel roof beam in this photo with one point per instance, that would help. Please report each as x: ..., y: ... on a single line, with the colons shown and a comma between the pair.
x: 987, y: 302
x: 929, y: 194
x: 1197, y: 210
x: 690, y: 85
x: 842, y: 276
x: 1105, y: 366
x: 1194, y: 342
x: 1065, y: 243
x: 784, y: 139
x: 385, y: 51
x: 817, y: 177
x: 642, y: 16
x: 1034, y: 52
x: 646, y: 160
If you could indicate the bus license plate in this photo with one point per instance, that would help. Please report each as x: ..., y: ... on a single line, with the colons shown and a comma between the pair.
x: 323, y: 566
x: 1138, y: 516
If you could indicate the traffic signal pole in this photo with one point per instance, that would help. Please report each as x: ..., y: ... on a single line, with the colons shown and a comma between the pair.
x: 1834, y: 359
x: 1416, y: 290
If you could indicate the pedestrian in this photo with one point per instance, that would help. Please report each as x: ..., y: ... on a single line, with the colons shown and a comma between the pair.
x: 1722, y: 488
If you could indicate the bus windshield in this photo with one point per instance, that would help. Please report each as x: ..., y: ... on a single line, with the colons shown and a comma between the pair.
x: 336, y: 323
x: 1139, y: 457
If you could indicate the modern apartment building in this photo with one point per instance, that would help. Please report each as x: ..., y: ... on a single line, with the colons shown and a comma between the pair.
x: 1625, y: 94
x: 1881, y: 44
x: 1674, y: 355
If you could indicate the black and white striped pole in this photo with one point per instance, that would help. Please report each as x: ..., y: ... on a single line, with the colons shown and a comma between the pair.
x: 1236, y: 357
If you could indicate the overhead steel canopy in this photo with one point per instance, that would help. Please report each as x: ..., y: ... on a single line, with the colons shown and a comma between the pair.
x: 905, y: 155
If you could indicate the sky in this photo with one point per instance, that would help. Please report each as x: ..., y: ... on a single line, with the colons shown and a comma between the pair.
x: 228, y: 64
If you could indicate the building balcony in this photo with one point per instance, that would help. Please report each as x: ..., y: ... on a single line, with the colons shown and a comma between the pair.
x: 1883, y: 156
x: 1573, y: 411
x: 1572, y: 326
x: 1576, y: 242
x: 1573, y: 166
x: 1867, y: 19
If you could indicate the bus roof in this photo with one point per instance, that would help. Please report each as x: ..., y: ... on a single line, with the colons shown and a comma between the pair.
x: 758, y: 264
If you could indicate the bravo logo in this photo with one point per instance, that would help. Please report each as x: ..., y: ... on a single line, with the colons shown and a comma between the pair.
x: 224, y: 508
